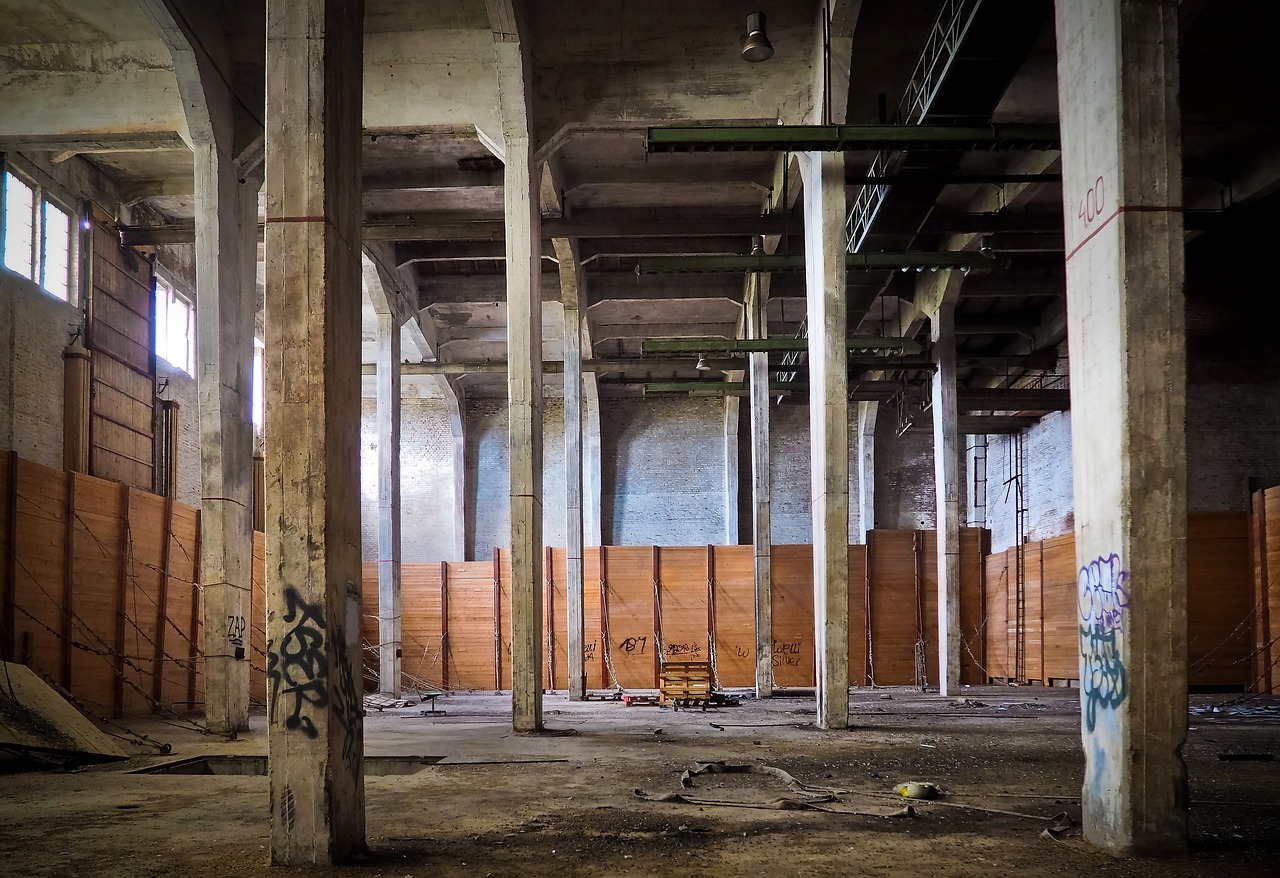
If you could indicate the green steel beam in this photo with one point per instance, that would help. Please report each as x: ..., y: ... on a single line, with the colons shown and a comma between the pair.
x: 904, y: 261
x: 755, y: 345
x: 839, y: 138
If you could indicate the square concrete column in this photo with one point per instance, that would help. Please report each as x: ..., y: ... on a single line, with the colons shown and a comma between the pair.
x: 458, y: 437
x: 591, y: 461
x: 732, y: 409
x: 314, y: 691
x: 761, y: 503
x: 524, y: 390
x: 867, y: 412
x: 946, y: 469
x: 226, y: 254
x: 388, y: 418
x: 824, y: 217
x: 571, y: 283
x: 1122, y: 201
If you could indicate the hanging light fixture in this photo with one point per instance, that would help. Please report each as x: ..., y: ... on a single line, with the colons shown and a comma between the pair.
x: 701, y: 365
x: 756, y: 45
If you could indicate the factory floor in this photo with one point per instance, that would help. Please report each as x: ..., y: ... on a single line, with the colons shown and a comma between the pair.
x: 493, y: 803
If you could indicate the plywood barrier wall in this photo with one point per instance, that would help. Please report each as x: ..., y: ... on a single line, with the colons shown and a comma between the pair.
x: 1264, y: 628
x: 98, y: 589
x: 1219, y: 606
x: 646, y: 604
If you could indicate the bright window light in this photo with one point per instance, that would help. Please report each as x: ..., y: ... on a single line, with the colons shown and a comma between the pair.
x: 175, y: 327
x: 55, y: 268
x: 19, y: 226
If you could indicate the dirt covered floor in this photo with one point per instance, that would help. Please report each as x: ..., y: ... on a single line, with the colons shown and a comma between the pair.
x: 500, y: 804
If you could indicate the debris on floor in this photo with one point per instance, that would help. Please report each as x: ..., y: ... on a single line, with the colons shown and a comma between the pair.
x: 917, y: 789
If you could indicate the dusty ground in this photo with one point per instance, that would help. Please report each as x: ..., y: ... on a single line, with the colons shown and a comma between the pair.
x: 1013, y: 750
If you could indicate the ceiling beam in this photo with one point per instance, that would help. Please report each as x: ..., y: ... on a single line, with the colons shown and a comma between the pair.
x: 904, y: 260
x: 64, y: 146
x: 843, y: 138
x: 742, y: 345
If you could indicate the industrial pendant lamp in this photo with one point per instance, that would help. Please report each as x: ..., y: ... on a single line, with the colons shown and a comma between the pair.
x: 701, y: 365
x: 756, y: 45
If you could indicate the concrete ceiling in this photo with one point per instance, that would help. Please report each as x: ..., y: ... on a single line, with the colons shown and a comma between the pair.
x: 603, y: 71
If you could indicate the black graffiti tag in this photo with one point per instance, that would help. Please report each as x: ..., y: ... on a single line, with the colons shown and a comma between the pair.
x: 1104, y: 599
x: 298, y: 669
x: 347, y: 706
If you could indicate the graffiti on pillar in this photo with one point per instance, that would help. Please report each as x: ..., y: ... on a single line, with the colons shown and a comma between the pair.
x: 298, y: 669
x: 1104, y: 602
x: 235, y: 630
x: 347, y: 705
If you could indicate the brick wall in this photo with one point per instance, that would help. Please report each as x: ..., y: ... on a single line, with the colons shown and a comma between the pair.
x: 1046, y: 482
x: 662, y: 471
x: 488, y: 488
x: 789, y: 489
x: 184, y: 390
x: 33, y: 332
x: 904, y: 474
x: 426, y: 480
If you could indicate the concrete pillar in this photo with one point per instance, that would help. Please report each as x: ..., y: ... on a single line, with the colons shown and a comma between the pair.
x: 731, y: 412
x: 524, y: 391
x: 591, y: 535
x: 946, y: 469
x: 458, y: 436
x: 761, y: 503
x: 824, y: 217
x: 571, y: 282
x: 226, y: 257
x: 314, y: 717
x: 1122, y: 202
x: 867, y: 412
x: 388, y: 417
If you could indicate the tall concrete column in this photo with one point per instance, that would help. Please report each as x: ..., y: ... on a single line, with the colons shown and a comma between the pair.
x: 1122, y: 197
x: 761, y: 503
x: 867, y: 412
x: 458, y: 437
x: 571, y: 282
x: 226, y: 256
x: 946, y: 469
x: 388, y: 417
x: 314, y: 718
x: 591, y: 515
x: 524, y: 381
x: 731, y: 411
x: 824, y: 217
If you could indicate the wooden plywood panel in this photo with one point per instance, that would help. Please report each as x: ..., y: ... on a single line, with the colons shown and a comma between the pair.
x: 470, y: 644
x: 40, y: 567
x: 421, y: 654
x: 629, y: 579
x: 1263, y: 530
x: 592, y: 638
x: 555, y: 620
x: 999, y: 654
x: 973, y: 608
x: 503, y: 622
x: 735, y: 620
x: 1271, y: 603
x: 97, y: 560
x: 858, y: 615
x: 927, y: 564
x: 683, y: 603
x: 1060, y: 608
x: 793, y: 651
x: 1219, y: 602
x: 142, y: 595
x: 893, y: 607
x: 1034, y: 638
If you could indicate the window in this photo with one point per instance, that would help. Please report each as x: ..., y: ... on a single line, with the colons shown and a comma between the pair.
x: 37, y: 237
x: 175, y: 327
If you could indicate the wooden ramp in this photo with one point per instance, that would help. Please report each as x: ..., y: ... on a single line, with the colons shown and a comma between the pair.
x: 37, y: 725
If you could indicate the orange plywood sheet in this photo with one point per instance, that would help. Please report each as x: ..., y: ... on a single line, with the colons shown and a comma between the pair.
x: 735, y: 616
x: 629, y: 579
x: 793, y: 651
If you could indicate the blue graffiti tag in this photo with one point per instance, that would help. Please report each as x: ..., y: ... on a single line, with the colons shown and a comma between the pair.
x: 1104, y: 598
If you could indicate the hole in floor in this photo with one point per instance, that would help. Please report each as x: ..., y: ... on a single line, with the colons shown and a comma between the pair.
x: 374, y: 766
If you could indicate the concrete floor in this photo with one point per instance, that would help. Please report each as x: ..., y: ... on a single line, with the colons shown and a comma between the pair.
x: 487, y: 810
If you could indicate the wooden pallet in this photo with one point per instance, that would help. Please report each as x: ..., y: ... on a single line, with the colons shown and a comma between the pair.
x: 685, y: 684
